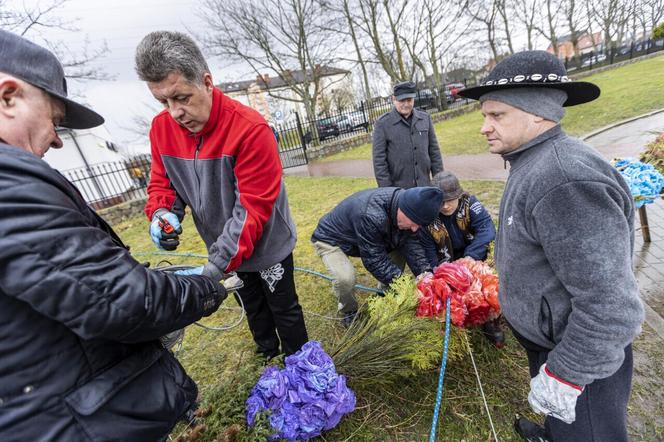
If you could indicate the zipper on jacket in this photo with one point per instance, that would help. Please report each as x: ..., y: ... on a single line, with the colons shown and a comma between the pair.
x: 198, y: 178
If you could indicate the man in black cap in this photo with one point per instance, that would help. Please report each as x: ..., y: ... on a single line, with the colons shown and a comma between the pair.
x: 371, y: 224
x: 405, y: 148
x: 563, y: 252
x: 80, y: 319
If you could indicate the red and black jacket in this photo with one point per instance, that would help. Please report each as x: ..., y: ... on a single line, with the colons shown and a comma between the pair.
x: 230, y: 175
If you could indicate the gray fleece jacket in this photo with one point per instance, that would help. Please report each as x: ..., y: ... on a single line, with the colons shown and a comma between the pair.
x: 564, y: 256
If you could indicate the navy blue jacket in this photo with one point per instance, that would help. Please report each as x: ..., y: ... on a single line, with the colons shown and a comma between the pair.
x: 80, y: 319
x: 365, y: 225
x: 474, y: 243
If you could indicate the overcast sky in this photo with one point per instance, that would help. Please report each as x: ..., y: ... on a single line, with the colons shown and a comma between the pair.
x: 122, y: 24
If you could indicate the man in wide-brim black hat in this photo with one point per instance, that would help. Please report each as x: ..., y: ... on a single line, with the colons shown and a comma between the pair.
x: 563, y: 252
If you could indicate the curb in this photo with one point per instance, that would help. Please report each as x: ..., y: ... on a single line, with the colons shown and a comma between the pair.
x: 620, y: 123
x: 654, y: 320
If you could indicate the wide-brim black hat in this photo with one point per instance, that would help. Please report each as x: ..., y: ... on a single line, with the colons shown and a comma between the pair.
x: 538, y: 69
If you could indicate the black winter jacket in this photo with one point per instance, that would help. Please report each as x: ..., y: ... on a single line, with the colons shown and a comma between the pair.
x: 365, y: 225
x: 80, y: 318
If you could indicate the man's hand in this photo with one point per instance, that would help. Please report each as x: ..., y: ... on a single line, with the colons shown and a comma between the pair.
x: 164, y: 230
x: 553, y: 396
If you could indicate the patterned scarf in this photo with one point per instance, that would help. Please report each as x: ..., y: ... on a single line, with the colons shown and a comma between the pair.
x: 440, y: 234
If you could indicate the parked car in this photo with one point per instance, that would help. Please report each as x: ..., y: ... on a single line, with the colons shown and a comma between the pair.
x: 352, y: 121
x: 452, y: 91
x: 594, y: 60
x: 327, y: 128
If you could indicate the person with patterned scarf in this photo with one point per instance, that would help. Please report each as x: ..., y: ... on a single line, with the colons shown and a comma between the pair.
x: 463, y: 228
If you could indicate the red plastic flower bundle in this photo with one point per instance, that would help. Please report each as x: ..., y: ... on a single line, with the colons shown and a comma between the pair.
x: 471, y: 286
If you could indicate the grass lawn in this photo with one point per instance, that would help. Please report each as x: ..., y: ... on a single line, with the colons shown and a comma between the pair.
x: 627, y: 91
x: 225, y: 368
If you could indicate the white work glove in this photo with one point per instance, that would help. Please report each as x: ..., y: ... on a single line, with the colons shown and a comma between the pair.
x: 553, y: 396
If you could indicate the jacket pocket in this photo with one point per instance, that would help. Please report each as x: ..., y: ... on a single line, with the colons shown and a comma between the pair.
x: 140, y: 398
x: 546, y: 320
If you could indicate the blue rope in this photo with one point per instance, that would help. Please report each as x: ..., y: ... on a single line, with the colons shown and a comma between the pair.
x: 441, y: 376
x: 300, y: 269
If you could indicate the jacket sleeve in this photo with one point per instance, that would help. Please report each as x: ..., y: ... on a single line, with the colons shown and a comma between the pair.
x: 428, y: 246
x: 57, y: 260
x: 161, y: 194
x: 483, y: 230
x: 416, y: 256
x: 373, y: 251
x: 379, y: 154
x: 587, y: 241
x: 258, y: 183
x: 434, y: 150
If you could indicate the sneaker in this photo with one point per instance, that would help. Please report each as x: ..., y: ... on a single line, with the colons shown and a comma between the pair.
x: 530, y: 431
x: 493, y: 331
x: 348, y: 318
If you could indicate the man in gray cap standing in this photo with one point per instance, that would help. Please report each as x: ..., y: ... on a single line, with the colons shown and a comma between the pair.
x: 563, y: 252
x: 405, y: 148
x: 80, y: 319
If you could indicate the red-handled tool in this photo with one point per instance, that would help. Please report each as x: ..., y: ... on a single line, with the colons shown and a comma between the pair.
x: 165, y: 225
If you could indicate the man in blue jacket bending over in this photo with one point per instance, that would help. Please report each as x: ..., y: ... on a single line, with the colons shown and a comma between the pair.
x: 372, y: 224
x: 80, y: 319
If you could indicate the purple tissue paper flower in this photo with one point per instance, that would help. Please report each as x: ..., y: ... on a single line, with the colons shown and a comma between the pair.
x: 305, y: 398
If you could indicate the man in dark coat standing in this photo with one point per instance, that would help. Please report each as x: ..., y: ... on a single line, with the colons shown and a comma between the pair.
x: 80, y: 319
x: 405, y: 148
x: 563, y: 252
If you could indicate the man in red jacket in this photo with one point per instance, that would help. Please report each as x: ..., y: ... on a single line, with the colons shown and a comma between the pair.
x: 220, y: 158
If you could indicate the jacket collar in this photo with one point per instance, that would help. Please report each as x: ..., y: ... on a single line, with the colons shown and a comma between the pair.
x: 396, y: 117
x: 213, y: 121
x: 515, y: 157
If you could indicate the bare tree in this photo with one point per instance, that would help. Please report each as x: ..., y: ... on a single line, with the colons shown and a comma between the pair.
x: 277, y: 36
x: 485, y: 13
x: 577, y: 22
x: 503, y: 7
x: 649, y: 14
x: 526, y: 12
x: 32, y: 21
x: 606, y: 15
x: 380, y: 27
x: 349, y: 24
x: 549, y: 23
x: 444, y: 26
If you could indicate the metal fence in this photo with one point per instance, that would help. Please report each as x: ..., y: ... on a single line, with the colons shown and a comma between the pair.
x: 296, y: 137
x: 615, y: 54
x: 107, y: 184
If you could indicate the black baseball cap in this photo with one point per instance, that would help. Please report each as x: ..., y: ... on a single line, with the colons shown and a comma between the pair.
x: 39, y: 67
x: 405, y: 89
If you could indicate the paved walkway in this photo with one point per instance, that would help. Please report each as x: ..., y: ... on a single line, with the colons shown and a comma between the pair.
x: 622, y: 141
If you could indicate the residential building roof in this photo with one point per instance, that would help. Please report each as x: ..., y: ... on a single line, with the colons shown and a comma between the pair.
x: 267, y: 82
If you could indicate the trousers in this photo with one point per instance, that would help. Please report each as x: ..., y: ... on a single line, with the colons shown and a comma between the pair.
x: 601, y: 410
x: 273, y: 310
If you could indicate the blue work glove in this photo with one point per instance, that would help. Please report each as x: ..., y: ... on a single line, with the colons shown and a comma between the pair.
x: 553, y: 396
x: 162, y: 222
x: 191, y: 271
x: 211, y: 271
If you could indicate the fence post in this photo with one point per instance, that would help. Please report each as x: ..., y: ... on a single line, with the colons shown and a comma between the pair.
x: 364, y: 115
x: 300, y: 132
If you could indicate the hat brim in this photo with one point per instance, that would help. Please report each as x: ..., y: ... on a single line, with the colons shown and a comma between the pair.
x: 453, y: 195
x: 78, y: 116
x: 405, y: 96
x: 578, y: 92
